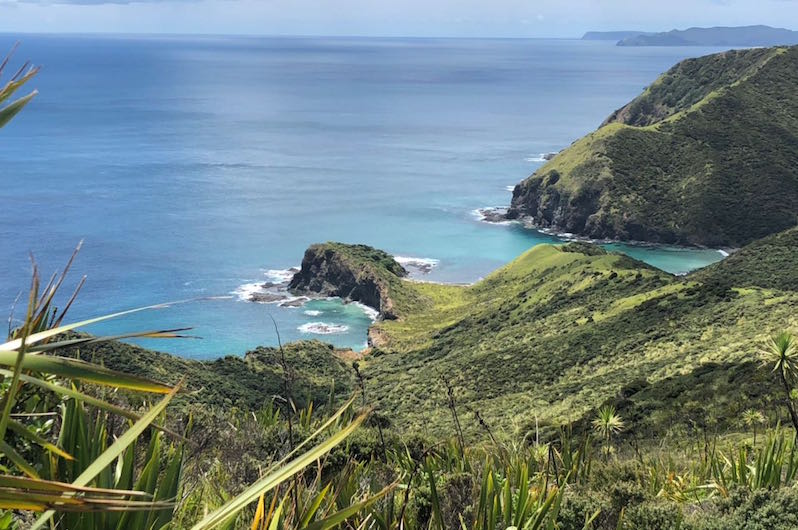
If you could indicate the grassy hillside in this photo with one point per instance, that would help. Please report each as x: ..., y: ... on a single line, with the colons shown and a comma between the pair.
x: 558, y: 332
x: 769, y: 263
x: 707, y: 155
x: 248, y: 382
x: 546, y: 339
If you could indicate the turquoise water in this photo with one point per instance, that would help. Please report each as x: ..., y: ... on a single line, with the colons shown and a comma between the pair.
x: 193, y: 166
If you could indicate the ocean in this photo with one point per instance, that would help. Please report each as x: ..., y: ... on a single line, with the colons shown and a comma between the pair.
x: 200, y: 167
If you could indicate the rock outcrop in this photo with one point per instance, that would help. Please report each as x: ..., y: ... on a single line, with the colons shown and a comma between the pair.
x: 356, y: 273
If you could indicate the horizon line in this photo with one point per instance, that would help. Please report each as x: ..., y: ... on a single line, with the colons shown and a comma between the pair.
x: 283, y: 35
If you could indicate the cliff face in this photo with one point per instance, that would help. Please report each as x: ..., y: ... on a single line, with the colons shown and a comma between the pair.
x: 356, y: 273
x: 707, y: 155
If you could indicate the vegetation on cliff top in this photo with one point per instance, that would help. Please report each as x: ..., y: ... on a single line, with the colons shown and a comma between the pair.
x: 707, y: 155
x: 358, y: 273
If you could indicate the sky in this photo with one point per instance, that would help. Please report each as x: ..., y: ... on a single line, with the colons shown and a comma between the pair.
x: 454, y: 18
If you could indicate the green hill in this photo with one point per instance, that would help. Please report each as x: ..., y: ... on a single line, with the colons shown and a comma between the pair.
x: 247, y: 383
x: 544, y: 340
x: 769, y: 263
x: 564, y: 329
x: 707, y: 155
x: 556, y: 333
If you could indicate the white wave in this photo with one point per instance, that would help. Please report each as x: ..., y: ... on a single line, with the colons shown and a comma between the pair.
x: 723, y: 253
x: 510, y: 188
x: 368, y: 310
x: 312, y: 312
x: 247, y: 291
x: 417, y: 265
x: 481, y: 214
x: 293, y: 301
x: 542, y: 157
x: 280, y: 275
x: 478, y: 214
x: 410, y: 261
x: 322, y: 328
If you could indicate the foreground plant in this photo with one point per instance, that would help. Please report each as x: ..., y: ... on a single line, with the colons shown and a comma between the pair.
x: 782, y: 352
x: 24, y: 74
x: 68, y: 470
x: 606, y: 424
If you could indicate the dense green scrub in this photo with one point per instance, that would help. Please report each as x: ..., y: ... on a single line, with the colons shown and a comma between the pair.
x: 247, y: 383
x: 557, y: 332
x: 707, y: 155
x: 769, y: 263
x: 543, y: 341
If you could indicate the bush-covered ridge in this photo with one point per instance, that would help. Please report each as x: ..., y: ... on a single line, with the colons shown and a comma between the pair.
x: 769, y: 263
x: 555, y: 332
x: 246, y: 383
x: 708, y: 155
x: 689, y: 82
x: 544, y: 339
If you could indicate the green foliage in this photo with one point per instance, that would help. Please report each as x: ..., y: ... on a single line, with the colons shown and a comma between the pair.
x: 744, y: 510
x: 705, y: 156
x: 247, y: 383
x: 556, y: 333
x: 24, y: 74
x: 768, y: 263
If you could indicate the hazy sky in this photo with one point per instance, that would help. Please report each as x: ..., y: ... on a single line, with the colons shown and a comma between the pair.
x: 507, y: 18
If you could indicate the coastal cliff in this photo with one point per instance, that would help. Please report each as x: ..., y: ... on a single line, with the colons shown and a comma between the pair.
x: 707, y: 155
x: 356, y: 273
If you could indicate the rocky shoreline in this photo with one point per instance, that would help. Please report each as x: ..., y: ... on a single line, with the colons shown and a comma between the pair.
x: 499, y: 215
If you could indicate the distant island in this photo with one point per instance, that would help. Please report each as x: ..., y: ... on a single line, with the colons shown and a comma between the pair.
x: 611, y: 35
x: 719, y: 36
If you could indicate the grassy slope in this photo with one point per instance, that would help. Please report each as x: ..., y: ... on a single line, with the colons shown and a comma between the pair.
x: 555, y: 334
x: 706, y: 155
x: 248, y: 383
x: 768, y: 263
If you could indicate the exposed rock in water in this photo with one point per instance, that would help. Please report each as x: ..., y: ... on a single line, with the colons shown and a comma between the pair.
x: 355, y: 273
x: 493, y: 215
x: 266, y: 297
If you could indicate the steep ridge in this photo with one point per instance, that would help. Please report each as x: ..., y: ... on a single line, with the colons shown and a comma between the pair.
x: 707, y: 155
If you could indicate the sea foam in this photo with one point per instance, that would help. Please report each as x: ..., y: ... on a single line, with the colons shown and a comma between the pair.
x: 322, y: 328
x: 280, y: 275
x: 417, y: 266
x: 370, y: 312
x: 271, y: 290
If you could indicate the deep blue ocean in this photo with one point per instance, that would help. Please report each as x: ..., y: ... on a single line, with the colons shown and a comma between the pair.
x: 194, y: 166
